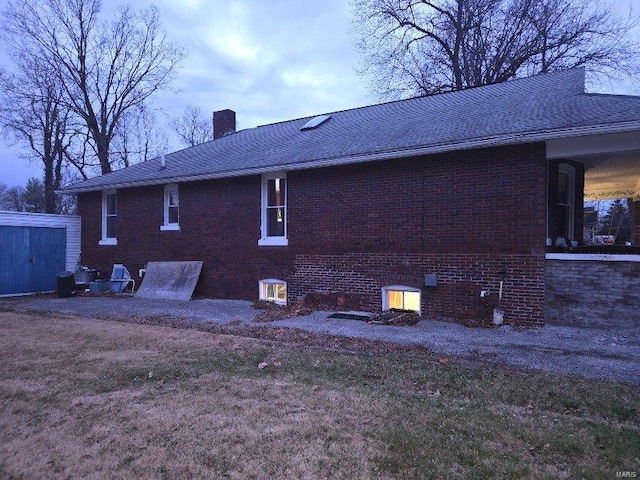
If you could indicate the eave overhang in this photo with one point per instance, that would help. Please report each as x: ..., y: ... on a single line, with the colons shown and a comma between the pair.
x: 486, y: 142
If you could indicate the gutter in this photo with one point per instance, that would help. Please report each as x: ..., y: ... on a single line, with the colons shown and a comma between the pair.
x: 500, y: 140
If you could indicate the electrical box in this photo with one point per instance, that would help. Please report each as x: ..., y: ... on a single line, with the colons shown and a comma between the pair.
x: 430, y: 280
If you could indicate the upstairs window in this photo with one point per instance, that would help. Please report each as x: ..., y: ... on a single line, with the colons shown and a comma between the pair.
x: 273, y: 290
x: 274, y: 210
x: 171, y: 208
x: 401, y: 297
x: 109, y: 218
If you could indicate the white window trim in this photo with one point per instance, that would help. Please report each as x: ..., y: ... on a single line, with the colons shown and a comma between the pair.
x: 166, y: 226
x: 262, y: 289
x: 265, y: 240
x: 399, y: 288
x: 273, y: 242
x: 104, y: 240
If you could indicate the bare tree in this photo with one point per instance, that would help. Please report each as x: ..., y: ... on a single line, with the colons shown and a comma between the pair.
x: 32, y: 112
x: 419, y: 47
x: 12, y: 199
x: 5, y: 203
x: 137, y: 138
x: 105, y: 69
x: 193, y: 127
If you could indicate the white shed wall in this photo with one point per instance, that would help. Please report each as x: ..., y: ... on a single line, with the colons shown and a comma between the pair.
x: 70, y: 222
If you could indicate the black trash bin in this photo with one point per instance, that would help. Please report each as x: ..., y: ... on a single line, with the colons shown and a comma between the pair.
x: 65, y: 284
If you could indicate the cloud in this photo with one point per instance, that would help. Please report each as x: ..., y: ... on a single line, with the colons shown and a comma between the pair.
x: 269, y: 61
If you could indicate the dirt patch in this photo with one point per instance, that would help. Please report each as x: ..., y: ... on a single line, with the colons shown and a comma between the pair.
x: 271, y: 312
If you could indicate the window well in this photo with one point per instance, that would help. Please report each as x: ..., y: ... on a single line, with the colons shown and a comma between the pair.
x: 315, y: 122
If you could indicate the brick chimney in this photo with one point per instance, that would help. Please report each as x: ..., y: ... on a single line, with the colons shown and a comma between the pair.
x: 224, y: 123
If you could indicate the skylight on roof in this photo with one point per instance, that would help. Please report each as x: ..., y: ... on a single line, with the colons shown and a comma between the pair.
x: 315, y: 122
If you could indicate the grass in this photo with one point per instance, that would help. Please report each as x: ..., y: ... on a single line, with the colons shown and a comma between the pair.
x: 85, y: 398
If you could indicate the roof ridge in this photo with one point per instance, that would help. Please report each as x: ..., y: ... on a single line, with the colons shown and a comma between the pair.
x: 538, y: 77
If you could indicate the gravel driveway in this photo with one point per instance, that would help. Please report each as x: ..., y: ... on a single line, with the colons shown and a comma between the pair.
x: 593, y: 353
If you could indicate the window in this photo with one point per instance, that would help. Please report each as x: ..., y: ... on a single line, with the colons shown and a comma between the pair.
x: 274, y: 210
x: 315, y: 122
x: 109, y: 218
x: 171, y: 208
x: 273, y: 290
x: 567, y: 199
x: 401, y: 297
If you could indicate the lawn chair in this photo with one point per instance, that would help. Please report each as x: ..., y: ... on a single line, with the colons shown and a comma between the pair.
x: 120, y: 279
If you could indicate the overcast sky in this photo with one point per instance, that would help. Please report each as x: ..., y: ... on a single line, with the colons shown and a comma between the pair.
x: 269, y: 60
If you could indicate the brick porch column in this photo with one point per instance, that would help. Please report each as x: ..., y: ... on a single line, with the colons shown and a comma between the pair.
x: 636, y: 223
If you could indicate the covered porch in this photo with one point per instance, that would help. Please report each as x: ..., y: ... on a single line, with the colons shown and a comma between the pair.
x: 592, y: 169
x: 592, y: 270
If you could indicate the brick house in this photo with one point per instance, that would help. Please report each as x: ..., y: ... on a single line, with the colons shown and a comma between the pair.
x: 419, y: 204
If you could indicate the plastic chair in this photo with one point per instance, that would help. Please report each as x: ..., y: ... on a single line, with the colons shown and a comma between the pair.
x: 121, y: 278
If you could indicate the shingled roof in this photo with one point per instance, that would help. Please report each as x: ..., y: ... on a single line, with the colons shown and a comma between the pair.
x: 531, y: 109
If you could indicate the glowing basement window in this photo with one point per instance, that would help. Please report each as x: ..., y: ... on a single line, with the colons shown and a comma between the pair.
x: 273, y: 290
x: 401, y: 297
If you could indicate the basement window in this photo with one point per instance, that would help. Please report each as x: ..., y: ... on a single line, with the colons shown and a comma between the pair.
x: 273, y: 290
x: 400, y: 297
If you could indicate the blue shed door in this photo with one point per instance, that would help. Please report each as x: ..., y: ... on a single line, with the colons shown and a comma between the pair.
x: 30, y: 258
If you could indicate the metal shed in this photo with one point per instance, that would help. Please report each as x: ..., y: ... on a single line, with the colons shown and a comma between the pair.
x: 34, y: 247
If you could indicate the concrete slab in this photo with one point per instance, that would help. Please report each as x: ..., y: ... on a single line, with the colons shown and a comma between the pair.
x: 170, y: 280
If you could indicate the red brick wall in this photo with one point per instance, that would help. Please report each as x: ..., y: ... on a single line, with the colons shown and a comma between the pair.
x: 219, y: 224
x: 484, y: 201
x: 472, y: 218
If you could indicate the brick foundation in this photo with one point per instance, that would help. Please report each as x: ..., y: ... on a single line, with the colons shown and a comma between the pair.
x: 460, y: 278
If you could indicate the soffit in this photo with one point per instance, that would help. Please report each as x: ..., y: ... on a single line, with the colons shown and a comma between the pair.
x: 612, y: 162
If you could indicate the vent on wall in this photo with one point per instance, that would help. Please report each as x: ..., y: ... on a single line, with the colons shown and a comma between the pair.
x: 315, y: 122
x: 430, y: 280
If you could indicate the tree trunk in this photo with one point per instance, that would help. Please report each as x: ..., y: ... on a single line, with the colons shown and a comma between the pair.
x: 103, y: 154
